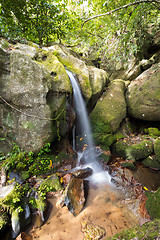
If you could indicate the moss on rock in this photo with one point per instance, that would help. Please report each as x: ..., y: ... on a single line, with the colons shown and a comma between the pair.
x: 110, y: 109
x: 151, y: 162
x: 152, y: 131
x: 128, y: 164
x: 51, y: 184
x: 58, y: 77
x: 149, y: 230
x: 157, y: 149
x: 133, y: 149
x: 153, y: 204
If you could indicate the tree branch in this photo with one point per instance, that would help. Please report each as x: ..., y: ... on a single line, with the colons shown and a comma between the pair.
x: 122, y: 7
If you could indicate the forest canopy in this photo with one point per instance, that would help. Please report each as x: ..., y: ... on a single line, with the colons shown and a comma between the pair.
x: 105, y: 26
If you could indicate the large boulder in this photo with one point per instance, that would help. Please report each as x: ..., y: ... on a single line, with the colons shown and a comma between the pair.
x: 34, y: 90
x: 109, y: 111
x: 30, y: 88
x: 143, y: 95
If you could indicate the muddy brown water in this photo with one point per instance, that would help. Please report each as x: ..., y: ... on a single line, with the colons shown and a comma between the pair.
x: 105, y: 207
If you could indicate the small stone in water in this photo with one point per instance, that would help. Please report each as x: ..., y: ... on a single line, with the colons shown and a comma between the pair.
x: 82, y: 173
x: 92, y: 231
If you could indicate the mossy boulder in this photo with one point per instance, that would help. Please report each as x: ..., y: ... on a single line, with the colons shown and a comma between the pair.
x: 110, y: 110
x: 157, y: 149
x: 143, y: 98
x: 151, y: 162
x: 153, y: 204
x: 149, y: 230
x: 30, y: 88
x: 133, y: 149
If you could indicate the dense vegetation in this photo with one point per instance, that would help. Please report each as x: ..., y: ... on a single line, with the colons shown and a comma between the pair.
x: 92, y: 26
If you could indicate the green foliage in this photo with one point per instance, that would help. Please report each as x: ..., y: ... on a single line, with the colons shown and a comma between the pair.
x: 29, y: 164
x: 13, y: 200
x: 114, y: 36
x: 3, y: 218
x: 40, y: 21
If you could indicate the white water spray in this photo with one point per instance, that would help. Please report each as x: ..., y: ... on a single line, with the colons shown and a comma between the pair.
x: 87, y: 156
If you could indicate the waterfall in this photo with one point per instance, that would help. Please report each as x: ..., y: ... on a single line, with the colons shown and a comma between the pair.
x: 86, y: 153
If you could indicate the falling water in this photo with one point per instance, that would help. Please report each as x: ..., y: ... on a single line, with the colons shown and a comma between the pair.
x: 87, y: 156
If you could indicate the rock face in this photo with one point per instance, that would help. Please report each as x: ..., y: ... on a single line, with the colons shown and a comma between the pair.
x: 109, y: 110
x: 143, y: 95
x: 74, y: 195
x: 34, y: 90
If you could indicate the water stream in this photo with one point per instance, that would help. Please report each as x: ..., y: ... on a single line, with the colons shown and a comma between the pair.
x: 86, y: 153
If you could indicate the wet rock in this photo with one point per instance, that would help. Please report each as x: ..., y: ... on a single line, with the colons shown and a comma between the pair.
x: 82, y: 173
x: 20, y: 219
x: 15, y: 223
x: 13, y: 176
x: 66, y: 178
x: 92, y: 231
x: 74, y: 195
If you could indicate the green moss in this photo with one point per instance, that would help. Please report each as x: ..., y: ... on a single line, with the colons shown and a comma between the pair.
x: 151, y: 162
x: 51, y: 184
x: 152, y: 131
x: 149, y: 230
x: 153, y: 204
x: 128, y: 164
x: 102, y: 133
x: 157, y: 149
x: 14, y: 198
x: 133, y: 150
x: 111, y: 108
x: 139, y: 150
